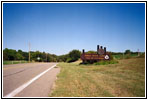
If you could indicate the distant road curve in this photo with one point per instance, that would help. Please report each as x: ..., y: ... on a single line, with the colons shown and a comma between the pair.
x: 29, y: 79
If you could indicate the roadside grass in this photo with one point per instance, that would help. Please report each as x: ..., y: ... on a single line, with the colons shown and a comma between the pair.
x: 14, y: 62
x: 106, y: 62
x: 124, y: 79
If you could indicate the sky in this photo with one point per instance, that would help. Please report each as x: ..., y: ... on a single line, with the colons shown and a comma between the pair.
x: 58, y: 28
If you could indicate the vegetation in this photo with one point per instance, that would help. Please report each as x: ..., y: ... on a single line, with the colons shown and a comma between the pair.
x: 106, y: 62
x: 127, y: 51
x: 10, y: 55
x: 126, y: 55
x: 74, y: 55
x: 14, y: 62
x: 89, y: 52
x: 124, y: 79
x: 123, y: 76
x: 13, y: 55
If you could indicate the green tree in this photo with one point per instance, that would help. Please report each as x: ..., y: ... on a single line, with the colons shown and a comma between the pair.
x: 35, y: 55
x: 63, y: 58
x: 5, y: 54
x: 9, y: 54
x: 25, y: 55
x: 19, y: 56
x: 73, y: 55
x: 127, y: 52
x: 89, y: 52
x: 43, y: 56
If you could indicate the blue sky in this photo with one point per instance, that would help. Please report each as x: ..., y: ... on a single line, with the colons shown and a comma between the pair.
x: 58, y: 28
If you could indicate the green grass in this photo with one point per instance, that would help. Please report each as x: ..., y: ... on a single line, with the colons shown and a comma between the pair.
x: 121, y: 56
x: 125, y: 79
x: 14, y: 62
x: 106, y: 62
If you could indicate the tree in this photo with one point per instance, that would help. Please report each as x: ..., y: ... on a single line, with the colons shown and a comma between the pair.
x: 25, y: 55
x: 127, y: 51
x: 44, y: 55
x: 9, y: 54
x: 19, y: 56
x: 89, y: 52
x: 5, y: 54
x: 63, y: 58
x: 35, y: 55
x: 20, y: 51
x: 73, y: 55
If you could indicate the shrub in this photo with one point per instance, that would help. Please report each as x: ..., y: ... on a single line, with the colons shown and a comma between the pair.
x: 127, y: 52
x: 69, y: 60
x: 127, y: 56
x: 111, y: 57
x: 106, y: 62
x: 141, y: 56
x: 74, y: 55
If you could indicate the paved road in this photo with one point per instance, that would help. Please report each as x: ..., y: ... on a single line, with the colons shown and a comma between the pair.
x: 14, y: 76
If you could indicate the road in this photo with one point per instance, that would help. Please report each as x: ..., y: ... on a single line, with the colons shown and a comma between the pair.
x: 29, y: 80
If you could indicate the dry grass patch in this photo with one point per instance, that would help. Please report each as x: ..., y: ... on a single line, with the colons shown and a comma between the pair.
x: 125, y: 79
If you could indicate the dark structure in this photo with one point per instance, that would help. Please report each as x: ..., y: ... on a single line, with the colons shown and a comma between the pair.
x: 93, y: 57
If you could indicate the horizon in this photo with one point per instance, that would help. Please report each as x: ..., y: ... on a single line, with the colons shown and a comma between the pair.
x: 70, y: 51
x: 58, y: 28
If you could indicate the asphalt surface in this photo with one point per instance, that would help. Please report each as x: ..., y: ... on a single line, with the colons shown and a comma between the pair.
x: 18, y: 74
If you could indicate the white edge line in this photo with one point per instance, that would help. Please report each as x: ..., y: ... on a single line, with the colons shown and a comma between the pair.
x: 19, y: 89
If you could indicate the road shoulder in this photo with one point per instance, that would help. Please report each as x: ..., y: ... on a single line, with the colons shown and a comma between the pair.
x: 42, y: 86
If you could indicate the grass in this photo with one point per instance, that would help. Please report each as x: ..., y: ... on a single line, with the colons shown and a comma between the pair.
x: 121, y: 56
x: 106, y: 62
x: 14, y: 62
x: 124, y: 79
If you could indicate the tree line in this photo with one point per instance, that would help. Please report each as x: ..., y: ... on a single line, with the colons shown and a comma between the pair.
x: 10, y: 54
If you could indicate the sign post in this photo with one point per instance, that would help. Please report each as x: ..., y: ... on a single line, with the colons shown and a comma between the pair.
x: 93, y: 57
x: 38, y: 58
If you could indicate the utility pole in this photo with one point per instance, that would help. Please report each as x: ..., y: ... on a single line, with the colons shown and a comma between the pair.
x: 29, y: 52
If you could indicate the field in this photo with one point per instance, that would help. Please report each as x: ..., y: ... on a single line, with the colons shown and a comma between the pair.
x: 125, y: 79
x: 14, y: 62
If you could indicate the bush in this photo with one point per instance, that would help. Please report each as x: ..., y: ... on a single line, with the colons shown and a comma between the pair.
x: 141, y: 56
x: 101, y: 63
x: 106, y: 62
x: 111, y: 57
x: 69, y: 60
x: 127, y: 52
x: 127, y: 56
x: 74, y: 55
